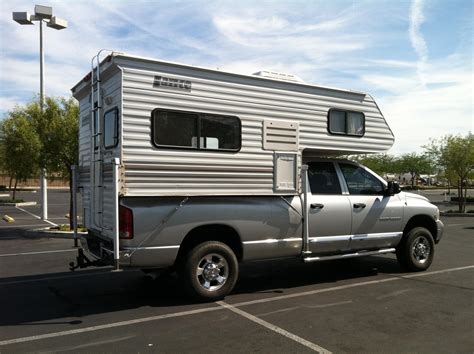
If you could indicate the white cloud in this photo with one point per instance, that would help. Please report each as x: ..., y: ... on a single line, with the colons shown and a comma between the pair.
x: 416, y: 38
x: 443, y: 106
x: 362, y: 46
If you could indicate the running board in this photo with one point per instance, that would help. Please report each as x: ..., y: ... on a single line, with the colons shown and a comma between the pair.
x: 348, y: 255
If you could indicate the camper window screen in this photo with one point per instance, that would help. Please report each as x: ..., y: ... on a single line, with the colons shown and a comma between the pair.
x: 111, y: 128
x: 196, y: 131
x: 220, y: 133
x: 346, y: 122
x: 175, y: 129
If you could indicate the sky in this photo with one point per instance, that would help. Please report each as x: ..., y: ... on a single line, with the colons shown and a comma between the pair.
x: 414, y: 57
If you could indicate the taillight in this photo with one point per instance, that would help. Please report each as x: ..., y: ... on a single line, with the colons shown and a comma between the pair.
x: 125, y: 223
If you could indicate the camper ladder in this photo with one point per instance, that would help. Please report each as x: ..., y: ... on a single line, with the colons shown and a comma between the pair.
x: 97, y: 157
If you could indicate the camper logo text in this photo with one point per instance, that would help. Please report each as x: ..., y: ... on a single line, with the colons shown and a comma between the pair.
x: 166, y: 82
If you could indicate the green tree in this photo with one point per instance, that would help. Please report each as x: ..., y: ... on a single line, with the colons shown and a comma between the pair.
x: 455, y: 155
x: 20, y: 147
x: 413, y: 163
x: 379, y: 163
x: 57, y: 128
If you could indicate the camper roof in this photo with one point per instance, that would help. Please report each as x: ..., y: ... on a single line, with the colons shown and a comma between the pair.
x: 258, y: 75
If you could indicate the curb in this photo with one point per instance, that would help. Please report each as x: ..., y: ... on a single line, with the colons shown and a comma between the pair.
x: 18, y: 204
x: 48, y: 233
x: 463, y: 215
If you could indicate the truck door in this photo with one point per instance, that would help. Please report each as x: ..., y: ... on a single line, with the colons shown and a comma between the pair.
x: 329, y: 210
x: 376, y: 219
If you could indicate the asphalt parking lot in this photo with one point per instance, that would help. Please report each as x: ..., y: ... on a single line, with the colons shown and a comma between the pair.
x: 365, y: 305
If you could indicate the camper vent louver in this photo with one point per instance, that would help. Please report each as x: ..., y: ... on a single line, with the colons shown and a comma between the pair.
x: 278, y: 76
x: 281, y: 136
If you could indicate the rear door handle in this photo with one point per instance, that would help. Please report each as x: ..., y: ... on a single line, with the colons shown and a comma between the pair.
x: 359, y: 205
x: 316, y: 206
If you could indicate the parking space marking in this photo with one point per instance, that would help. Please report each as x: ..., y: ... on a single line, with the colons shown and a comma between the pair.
x: 278, y: 311
x: 17, y: 227
x: 342, y: 287
x: 329, y: 305
x: 207, y: 309
x: 90, y: 344
x: 108, y: 326
x: 39, y: 252
x: 35, y: 216
x: 52, y: 278
x: 392, y: 294
x: 274, y: 328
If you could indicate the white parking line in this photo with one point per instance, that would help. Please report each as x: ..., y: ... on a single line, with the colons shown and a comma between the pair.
x: 35, y: 216
x: 108, y: 325
x: 40, y: 252
x: 209, y: 309
x: 342, y: 287
x: 89, y: 344
x: 274, y: 328
x: 52, y: 278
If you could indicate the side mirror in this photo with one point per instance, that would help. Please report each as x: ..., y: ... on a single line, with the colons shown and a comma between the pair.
x: 392, y: 188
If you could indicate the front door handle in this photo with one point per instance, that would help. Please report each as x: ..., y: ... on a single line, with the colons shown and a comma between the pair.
x: 316, y: 206
x: 359, y: 205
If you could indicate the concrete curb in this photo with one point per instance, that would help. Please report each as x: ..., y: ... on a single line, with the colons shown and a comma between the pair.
x: 18, y: 204
x: 463, y: 215
x: 48, y: 233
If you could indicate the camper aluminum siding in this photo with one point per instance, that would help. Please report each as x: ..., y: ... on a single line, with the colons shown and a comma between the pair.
x: 100, y: 215
x: 152, y: 171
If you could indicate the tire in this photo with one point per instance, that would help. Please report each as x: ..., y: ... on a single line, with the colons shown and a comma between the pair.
x: 209, y: 271
x: 416, y: 250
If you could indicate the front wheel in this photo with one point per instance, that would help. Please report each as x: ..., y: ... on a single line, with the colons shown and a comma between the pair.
x: 416, y: 250
x: 210, y: 271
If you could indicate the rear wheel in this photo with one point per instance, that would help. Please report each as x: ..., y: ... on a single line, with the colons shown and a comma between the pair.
x: 416, y: 250
x: 209, y: 271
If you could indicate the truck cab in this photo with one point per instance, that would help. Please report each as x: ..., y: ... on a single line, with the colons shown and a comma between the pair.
x: 353, y: 209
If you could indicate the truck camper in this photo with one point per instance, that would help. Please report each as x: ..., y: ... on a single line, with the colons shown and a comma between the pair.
x: 196, y: 169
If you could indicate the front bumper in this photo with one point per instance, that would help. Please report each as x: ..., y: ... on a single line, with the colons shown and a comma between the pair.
x: 439, y: 230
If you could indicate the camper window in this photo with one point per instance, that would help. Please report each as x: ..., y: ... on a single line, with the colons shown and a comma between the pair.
x: 195, y: 131
x: 346, y: 122
x: 111, y: 128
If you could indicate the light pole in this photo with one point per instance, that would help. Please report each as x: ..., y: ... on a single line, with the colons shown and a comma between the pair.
x: 42, y: 14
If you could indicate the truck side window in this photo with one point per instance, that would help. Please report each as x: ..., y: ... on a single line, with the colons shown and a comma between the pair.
x: 361, y: 182
x: 323, y: 178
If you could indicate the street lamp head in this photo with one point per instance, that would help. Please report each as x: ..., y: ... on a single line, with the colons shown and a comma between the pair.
x: 23, y: 18
x: 57, y: 23
x: 43, y: 12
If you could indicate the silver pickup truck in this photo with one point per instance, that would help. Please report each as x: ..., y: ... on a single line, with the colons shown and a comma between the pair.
x: 346, y: 211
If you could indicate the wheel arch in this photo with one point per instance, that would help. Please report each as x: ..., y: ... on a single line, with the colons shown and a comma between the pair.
x: 212, y: 232
x: 421, y: 220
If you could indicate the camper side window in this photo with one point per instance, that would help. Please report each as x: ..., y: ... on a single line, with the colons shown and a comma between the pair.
x: 346, y: 122
x: 111, y: 128
x: 199, y: 131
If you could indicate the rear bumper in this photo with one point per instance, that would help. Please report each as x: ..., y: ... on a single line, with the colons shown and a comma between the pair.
x: 98, y: 249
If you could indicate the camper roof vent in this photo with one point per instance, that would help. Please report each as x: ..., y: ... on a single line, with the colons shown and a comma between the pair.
x: 278, y: 76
